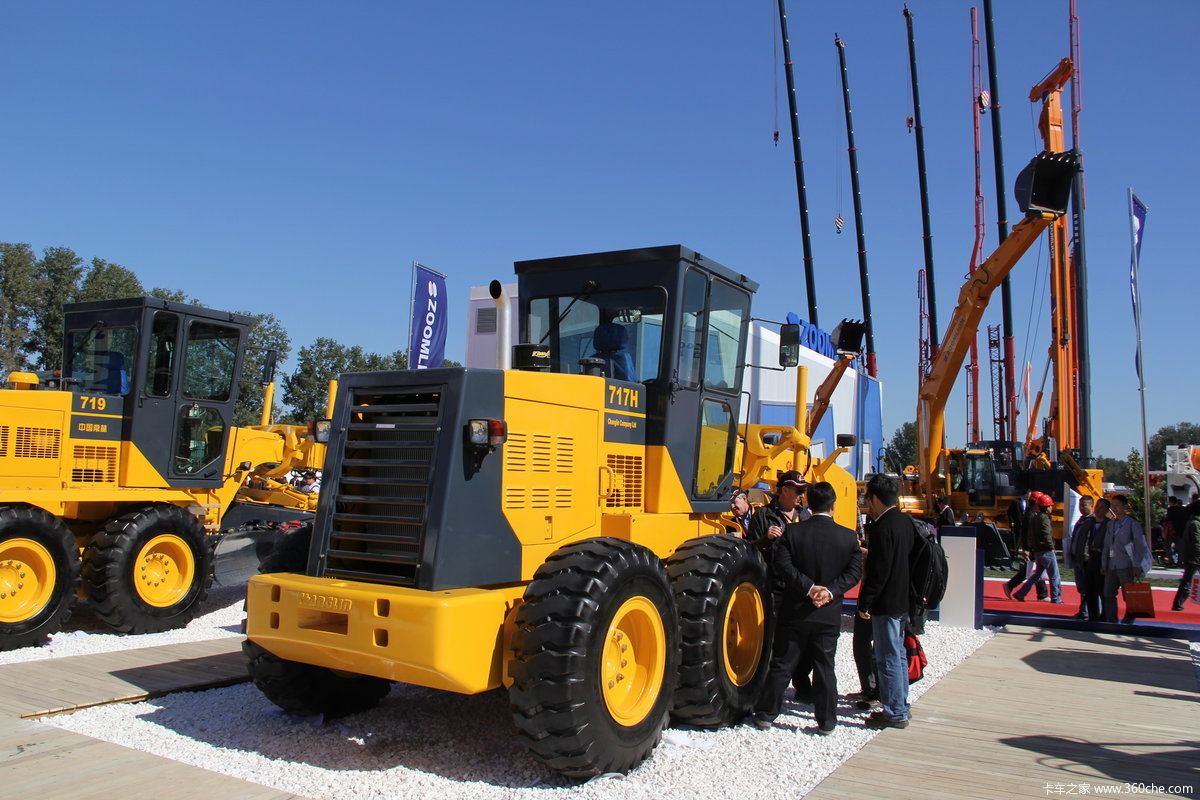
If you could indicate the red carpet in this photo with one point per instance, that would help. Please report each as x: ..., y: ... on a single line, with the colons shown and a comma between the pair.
x: 994, y: 600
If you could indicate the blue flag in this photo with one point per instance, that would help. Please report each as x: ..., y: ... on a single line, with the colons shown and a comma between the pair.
x: 1137, y: 212
x: 427, y: 342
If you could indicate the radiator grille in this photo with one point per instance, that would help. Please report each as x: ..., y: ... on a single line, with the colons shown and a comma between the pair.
x: 94, y: 464
x: 628, y: 479
x: 37, y: 442
x: 378, y: 523
x: 3, y: 440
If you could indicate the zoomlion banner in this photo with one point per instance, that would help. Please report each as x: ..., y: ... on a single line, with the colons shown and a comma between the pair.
x: 427, y: 341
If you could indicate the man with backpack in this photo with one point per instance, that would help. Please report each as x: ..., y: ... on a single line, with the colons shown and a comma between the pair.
x: 885, y: 597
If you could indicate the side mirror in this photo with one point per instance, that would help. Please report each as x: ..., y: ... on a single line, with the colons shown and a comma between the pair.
x: 789, y: 345
x: 268, y: 372
x: 846, y: 440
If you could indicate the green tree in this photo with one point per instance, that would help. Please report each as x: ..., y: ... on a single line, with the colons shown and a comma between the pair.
x: 107, y: 281
x: 58, y: 273
x: 305, y: 391
x: 173, y: 295
x: 266, y: 333
x: 1115, y: 470
x: 901, y: 449
x: 1182, y: 433
x: 18, y: 287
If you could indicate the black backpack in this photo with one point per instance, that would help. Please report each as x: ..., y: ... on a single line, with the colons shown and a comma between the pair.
x: 927, y: 568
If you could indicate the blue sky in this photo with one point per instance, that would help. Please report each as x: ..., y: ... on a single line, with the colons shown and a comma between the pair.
x: 296, y: 157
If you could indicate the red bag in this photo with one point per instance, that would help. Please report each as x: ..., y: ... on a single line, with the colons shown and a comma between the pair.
x: 1139, y: 599
x: 916, y: 657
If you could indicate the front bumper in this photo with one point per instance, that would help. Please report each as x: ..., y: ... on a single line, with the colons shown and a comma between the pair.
x: 452, y: 640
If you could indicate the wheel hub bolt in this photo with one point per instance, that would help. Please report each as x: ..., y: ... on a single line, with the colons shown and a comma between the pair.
x: 611, y: 684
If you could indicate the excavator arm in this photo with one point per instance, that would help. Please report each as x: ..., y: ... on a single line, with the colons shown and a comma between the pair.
x: 825, y: 391
x: 1043, y: 189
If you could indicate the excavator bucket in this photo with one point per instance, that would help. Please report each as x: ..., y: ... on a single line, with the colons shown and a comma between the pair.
x: 1045, y: 183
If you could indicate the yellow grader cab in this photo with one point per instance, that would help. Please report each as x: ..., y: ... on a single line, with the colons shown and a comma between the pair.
x: 117, y: 472
x: 553, y: 529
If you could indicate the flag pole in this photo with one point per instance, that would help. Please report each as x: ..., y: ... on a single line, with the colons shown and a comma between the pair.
x: 412, y: 290
x: 1134, y: 233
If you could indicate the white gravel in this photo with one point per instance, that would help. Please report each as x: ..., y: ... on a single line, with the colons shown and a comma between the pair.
x: 426, y: 743
x: 220, y: 616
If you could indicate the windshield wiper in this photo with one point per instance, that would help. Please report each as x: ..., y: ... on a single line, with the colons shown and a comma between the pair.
x: 584, y: 294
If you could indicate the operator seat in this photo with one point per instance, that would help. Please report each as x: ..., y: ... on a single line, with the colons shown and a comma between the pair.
x: 611, y: 340
x: 114, y: 378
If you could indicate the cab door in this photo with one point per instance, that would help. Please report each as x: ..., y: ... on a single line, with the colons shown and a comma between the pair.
x: 186, y: 400
x: 702, y: 425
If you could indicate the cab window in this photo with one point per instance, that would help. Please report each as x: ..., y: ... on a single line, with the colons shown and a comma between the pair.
x: 210, y: 356
x: 161, y: 365
x: 714, y: 456
x: 692, y: 329
x: 199, y: 439
x: 623, y: 329
x: 728, y: 323
x: 101, y: 359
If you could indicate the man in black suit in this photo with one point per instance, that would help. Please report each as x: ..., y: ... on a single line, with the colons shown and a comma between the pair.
x: 817, y: 561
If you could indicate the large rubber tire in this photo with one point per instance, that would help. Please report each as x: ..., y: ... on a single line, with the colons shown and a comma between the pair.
x: 39, y: 575
x: 725, y: 620
x: 306, y: 690
x: 149, y: 570
x: 593, y: 607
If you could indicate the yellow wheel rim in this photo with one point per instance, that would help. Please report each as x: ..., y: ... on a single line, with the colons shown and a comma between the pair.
x: 635, y: 658
x: 164, y: 570
x: 27, y: 576
x: 742, y: 639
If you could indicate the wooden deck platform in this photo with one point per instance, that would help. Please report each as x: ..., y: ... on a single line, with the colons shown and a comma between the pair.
x: 1034, y: 713
x: 1041, y: 713
x: 51, y: 764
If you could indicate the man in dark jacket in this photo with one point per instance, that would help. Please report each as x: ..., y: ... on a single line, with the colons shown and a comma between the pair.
x: 1189, y: 554
x: 1041, y: 544
x: 767, y: 524
x: 885, y: 597
x: 1080, y: 548
x: 817, y: 561
x: 765, y: 531
x: 1018, y: 514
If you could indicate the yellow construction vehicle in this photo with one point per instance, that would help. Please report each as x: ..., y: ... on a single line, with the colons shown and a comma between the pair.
x: 554, y: 528
x: 117, y: 471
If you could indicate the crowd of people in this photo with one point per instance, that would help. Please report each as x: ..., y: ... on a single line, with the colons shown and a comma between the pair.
x: 812, y: 562
x: 1106, y: 548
